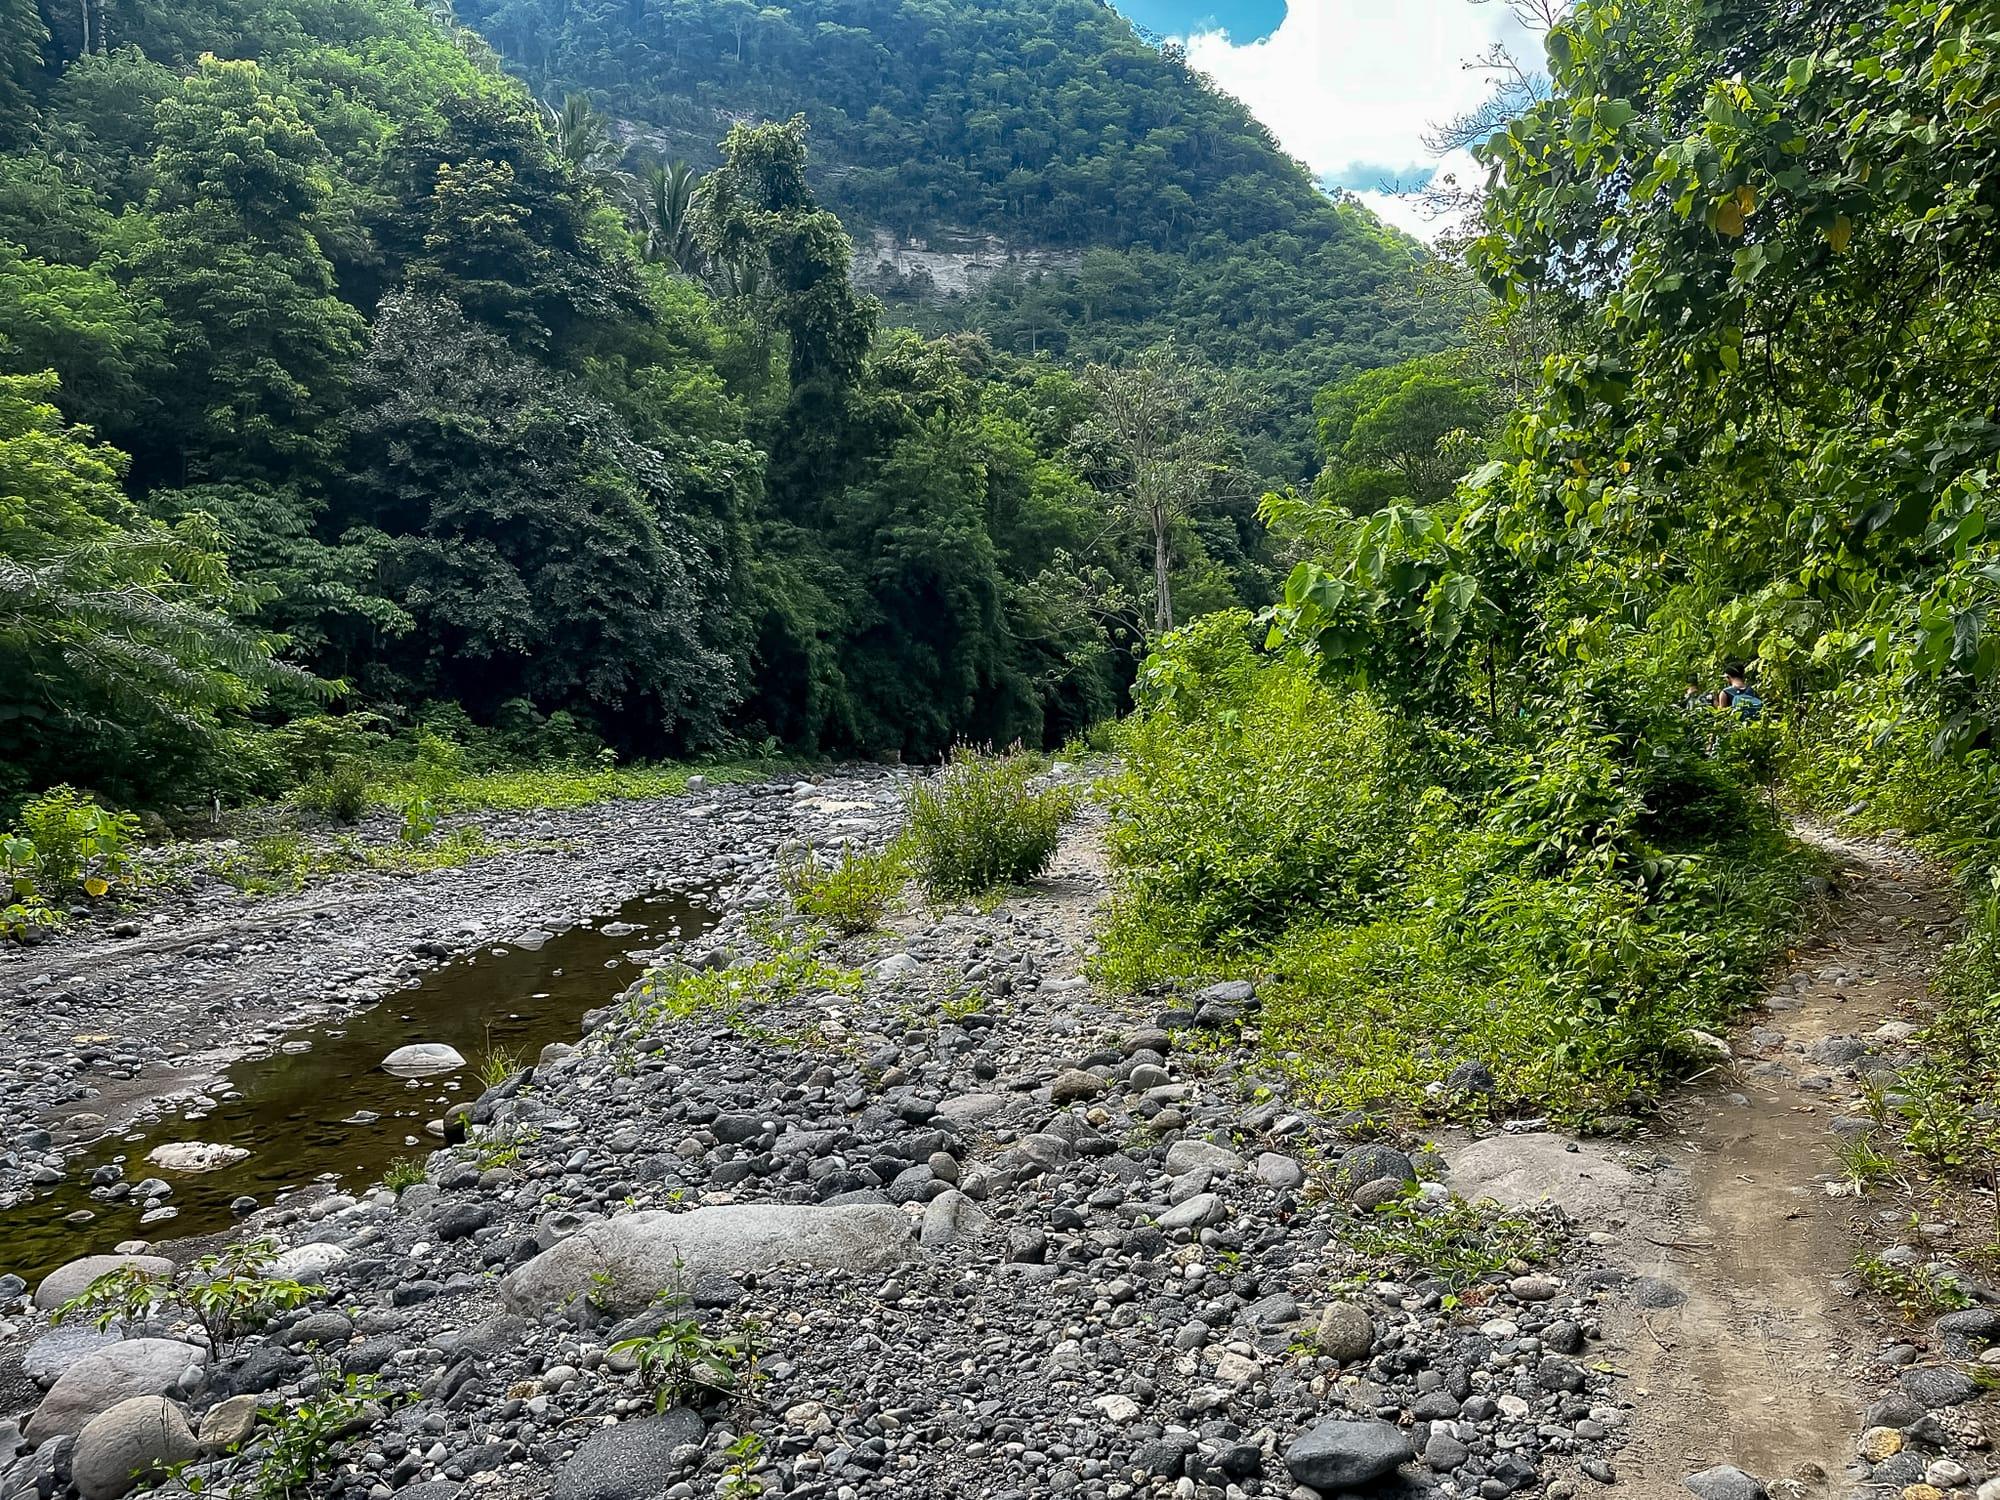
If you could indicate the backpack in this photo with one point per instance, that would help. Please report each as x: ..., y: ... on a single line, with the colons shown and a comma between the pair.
x: 1749, y: 707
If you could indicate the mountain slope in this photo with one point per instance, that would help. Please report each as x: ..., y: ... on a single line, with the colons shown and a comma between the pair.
x: 1110, y: 194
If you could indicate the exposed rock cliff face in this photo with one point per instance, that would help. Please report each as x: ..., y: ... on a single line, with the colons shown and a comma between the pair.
x: 950, y: 263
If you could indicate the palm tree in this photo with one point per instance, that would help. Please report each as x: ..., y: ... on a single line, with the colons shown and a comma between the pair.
x: 583, y: 139
x: 666, y: 217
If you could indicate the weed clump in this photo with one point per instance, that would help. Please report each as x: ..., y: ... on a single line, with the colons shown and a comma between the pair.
x: 980, y: 825
x: 852, y: 893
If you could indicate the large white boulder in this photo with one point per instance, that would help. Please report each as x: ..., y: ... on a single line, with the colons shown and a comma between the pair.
x: 195, y: 1156
x: 421, y: 1059
x: 624, y: 1263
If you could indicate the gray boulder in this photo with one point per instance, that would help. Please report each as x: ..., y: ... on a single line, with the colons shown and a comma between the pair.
x: 131, y: 1441
x: 1375, y: 1163
x: 1201, y: 1209
x: 623, y: 1263
x: 227, y: 1425
x: 1725, y: 1482
x: 949, y: 1217
x: 629, y: 1461
x: 98, y: 1382
x: 62, y: 1346
x: 1191, y: 1154
x: 65, y: 1281
x: 1933, y: 1386
x: 1520, y: 1171
x: 1335, y: 1455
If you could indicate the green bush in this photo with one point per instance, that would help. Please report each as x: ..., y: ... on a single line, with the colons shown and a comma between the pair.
x: 1567, y: 896
x: 979, y: 825
x: 64, y: 845
x: 1231, y: 824
x: 853, y: 893
x: 340, y: 792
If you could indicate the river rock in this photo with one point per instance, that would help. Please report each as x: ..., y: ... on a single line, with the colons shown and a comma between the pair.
x: 1725, y: 1482
x: 629, y: 1461
x: 949, y: 1217
x: 1521, y: 1171
x: 98, y: 1382
x: 624, y: 1263
x: 1335, y: 1454
x: 306, y: 1264
x: 1202, y: 1208
x: 1346, y: 1332
x: 130, y: 1442
x: 62, y: 1346
x: 195, y: 1156
x: 1375, y: 1163
x: 227, y: 1425
x: 1191, y: 1154
x: 65, y: 1281
x: 421, y: 1059
x: 1934, y: 1386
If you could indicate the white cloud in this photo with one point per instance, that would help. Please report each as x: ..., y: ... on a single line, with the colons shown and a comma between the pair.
x: 1350, y: 87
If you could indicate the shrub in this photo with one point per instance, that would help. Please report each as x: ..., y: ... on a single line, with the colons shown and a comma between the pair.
x: 297, y: 1453
x: 853, y: 893
x: 227, y: 1292
x: 1566, y: 896
x: 790, y: 969
x: 682, y: 1361
x: 340, y: 792
x: 403, y: 1172
x: 1232, y: 823
x: 979, y: 825
x: 65, y: 844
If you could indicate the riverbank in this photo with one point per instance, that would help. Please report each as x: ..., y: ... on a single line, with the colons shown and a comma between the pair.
x: 939, y: 1217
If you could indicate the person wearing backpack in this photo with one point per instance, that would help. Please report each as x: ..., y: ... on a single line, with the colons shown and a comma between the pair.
x: 1740, y: 697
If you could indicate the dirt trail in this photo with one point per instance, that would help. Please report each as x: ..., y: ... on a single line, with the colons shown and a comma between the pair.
x: 1762, y: 1365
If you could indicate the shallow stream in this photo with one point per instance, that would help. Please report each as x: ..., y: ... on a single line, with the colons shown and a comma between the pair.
x: 318, y: 1109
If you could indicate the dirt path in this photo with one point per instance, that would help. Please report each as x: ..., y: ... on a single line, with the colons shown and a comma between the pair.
x: 1764, y: 1364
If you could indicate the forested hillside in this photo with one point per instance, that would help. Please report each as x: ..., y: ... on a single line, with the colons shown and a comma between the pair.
x: 339, y: 377
x: 1049, y: 126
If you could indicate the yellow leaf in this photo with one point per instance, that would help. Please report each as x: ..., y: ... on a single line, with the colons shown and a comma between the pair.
x: 96, y: 886
x: 1746, y: 199
x: 1729, y: 218
x: 1840, y: 234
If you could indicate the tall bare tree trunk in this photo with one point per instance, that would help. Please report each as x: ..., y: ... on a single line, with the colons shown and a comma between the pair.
x: 1163, y: 599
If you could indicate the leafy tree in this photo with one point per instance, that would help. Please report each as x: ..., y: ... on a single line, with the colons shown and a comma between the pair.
x: 22, y: 35
x: 1160, y: 442
x: 1404, y: 432
x: 107, y: 346
x: 533, y: 542
x: 1774, y: 228
x: 756, y: 211
x: 258, y: 341
x: 113, y: 629
x: 489, y: 216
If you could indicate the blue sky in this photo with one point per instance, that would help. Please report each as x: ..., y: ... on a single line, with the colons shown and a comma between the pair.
x: 1348, y: 86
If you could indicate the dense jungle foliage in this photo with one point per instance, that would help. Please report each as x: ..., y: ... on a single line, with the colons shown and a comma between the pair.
x: 1046, y: 127
x: 348, y: 393
x: 338, y: 375
x: 1452, y: 804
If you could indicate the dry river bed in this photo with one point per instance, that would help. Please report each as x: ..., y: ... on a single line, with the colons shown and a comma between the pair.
x: 991, y: 1232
